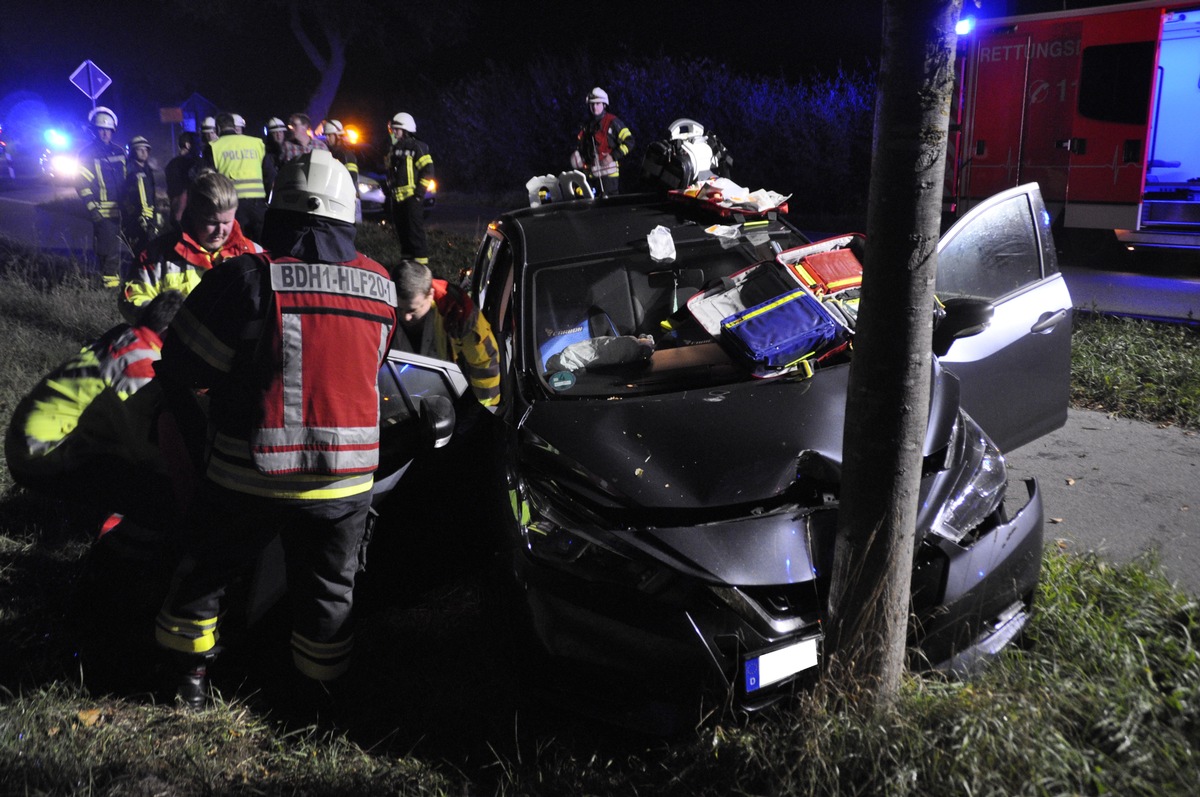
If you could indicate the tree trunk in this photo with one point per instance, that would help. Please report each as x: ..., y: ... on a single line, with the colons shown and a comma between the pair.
x: 330, y: 67
x: 888, y: 402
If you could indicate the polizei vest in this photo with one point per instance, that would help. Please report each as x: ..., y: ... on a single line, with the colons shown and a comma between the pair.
x: 320, y: 410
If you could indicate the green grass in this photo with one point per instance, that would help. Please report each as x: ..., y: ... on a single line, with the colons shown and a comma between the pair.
x: 1105, y: 699
x: 449, y: 254
x: 1137, y: 369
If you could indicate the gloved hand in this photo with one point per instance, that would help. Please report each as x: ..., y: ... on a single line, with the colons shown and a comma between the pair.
x: 576, y: 160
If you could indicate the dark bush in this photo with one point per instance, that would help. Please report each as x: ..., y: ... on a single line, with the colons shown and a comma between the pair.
x: 812, y: 139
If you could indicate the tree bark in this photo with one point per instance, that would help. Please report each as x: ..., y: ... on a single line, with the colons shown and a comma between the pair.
x: 888, y: 402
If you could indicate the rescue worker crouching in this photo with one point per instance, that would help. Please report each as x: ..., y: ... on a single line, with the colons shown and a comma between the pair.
x: 87, y: 430
x: 177, y: 260
x: 287, y: 346
x: 439, y: 320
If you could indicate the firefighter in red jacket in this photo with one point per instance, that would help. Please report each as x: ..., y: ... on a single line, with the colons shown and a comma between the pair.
x: 601, y: 143
x: 178, y: 259
x: 287, y: 347
x: 454, y: 331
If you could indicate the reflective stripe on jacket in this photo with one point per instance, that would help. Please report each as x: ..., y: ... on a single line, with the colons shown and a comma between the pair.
x: 457, y: 332
x: 240, y: 158
x: 333, y: 324
x: 120, y: 361
x: 176, y: 262
x: 410, y: 169
x: 101, y: 178
x: 138, y: 197
x: 606, y: 136
x: 290, y: 353
x: 347, y: 159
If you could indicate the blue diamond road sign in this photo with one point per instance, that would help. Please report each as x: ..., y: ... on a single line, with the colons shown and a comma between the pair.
x: 89, y: 79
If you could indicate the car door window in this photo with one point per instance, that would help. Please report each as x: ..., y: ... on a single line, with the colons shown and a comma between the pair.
x: 1015, y: 373
x: 404, y: 381
x: 992, y: 259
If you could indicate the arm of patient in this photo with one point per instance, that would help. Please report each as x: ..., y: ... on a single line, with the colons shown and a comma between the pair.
x: 599, y: 352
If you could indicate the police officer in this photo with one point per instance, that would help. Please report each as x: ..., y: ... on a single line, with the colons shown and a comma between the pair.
x: 241, y: 158
x: 101, y: 178
x: 411, y: 186
x: 313, y: 313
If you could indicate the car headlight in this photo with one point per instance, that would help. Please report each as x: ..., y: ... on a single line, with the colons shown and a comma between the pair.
x: 564, y: 536
x: 980, y: 479
x: 64, y: 165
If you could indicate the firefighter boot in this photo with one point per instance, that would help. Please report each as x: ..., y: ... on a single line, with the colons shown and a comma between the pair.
x: 190, y: 674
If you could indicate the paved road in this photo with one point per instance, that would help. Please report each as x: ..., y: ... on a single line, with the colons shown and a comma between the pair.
x: 1120, y: 488
x: 27, y: 214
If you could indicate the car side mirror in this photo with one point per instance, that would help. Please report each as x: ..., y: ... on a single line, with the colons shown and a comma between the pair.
x: 962, y: 317
x: 437, y: 420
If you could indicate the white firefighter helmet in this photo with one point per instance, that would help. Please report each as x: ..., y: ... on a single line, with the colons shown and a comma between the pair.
x: 598, y: 95
x: 332, y: 126
x: 209, y: 125
x: 317, y: 184
x: 137, y: 141
x: 404, y: 121
x: 239, y: 122
x: 103, y: 118
x: 275, y: 123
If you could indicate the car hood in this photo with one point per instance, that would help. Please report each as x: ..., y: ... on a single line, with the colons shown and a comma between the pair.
x: 700, y: 449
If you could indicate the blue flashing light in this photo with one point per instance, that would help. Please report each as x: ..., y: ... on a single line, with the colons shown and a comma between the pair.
x: 56, y: 139
x: 965, y: 26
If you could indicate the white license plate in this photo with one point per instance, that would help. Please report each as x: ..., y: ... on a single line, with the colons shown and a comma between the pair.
x: 776, y: 665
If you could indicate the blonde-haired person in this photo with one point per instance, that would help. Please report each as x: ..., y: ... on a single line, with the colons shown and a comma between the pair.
x: 208, y: 233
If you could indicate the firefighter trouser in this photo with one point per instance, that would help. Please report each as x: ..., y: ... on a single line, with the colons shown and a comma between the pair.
x: 229, y: 530
x: 408, y: 216
x: 106, y: 241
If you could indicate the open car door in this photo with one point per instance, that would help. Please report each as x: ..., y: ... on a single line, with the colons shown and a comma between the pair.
x: 410, y: 423
x: 1016, y: 373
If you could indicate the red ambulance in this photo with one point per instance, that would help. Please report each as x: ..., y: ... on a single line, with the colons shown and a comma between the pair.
x: 1099, y: 106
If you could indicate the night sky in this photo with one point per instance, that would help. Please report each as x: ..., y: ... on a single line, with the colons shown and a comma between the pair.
x: 250, y: 63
